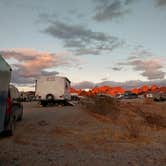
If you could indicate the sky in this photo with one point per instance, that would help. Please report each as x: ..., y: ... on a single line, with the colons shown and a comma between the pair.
x: 90, y: 41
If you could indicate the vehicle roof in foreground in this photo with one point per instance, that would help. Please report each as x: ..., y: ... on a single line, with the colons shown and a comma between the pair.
x: 4, y: 66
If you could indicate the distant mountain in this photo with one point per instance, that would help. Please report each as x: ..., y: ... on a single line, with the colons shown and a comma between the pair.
x: 125, y: 85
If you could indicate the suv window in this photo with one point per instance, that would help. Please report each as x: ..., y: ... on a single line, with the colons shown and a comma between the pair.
x: 14, y: 93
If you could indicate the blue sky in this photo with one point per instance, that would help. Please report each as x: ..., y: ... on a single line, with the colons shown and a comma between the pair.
x: 90, y: 40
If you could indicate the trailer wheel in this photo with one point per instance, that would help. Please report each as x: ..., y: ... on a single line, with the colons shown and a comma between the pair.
x: 50, y: 97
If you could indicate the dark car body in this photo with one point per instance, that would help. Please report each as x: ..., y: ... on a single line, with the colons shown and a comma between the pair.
x: 17, y: 107
x: 160, y: 97
x: 11, y: 108
x: 13, y: 111
x: 130, y: 95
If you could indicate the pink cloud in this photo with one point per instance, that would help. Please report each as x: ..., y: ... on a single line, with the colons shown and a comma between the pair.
x: 31, y: 63
x: 152, y: 69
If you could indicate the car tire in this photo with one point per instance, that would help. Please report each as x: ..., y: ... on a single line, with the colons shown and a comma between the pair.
x: 21, y: 115
x: 11, y: 128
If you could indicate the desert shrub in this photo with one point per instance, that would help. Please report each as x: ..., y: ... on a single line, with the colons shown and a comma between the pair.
x: 155, y: 120
x: 133, y: 128
x: 102, y: 105
x: 152, y: 119
x: 148, y: 101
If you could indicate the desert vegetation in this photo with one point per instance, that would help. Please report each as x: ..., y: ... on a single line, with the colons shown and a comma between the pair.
x: 134, y: 119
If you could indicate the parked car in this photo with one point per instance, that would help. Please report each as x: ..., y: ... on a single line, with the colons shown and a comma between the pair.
x: 130, y: 95
x: 160, y: 97
x: 17, y: 107
x: 6, y: 118
x: 74, y: 97
x: 14, y: 111
x: 119, y: 96
x: 11, y: 108
x: 149, y: 95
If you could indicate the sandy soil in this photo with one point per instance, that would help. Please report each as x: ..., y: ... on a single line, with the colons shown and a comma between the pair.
x: 70, y: 136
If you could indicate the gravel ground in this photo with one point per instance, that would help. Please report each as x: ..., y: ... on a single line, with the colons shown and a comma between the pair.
x: 67, y: 136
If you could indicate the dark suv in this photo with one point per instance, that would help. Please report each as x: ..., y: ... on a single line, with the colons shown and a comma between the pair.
x: 14, y: 110
x: 130, y: 95
x: 160, y: 97
x: 17, y: 107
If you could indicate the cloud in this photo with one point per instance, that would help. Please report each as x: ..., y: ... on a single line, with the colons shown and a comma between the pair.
x: 145, y: 62
x: 81, y: 40
x: 117, y: 68
x: 104, y: 79
x: 161, y: 2
x: 140, y: 53
x: 83, y: 85
x: 46, y: 73
x: 151, y: 69
x: 74, y: 43
x: 87, y: 51
x: 107, y: 10
x: 64, y: 31
x: 28, y: 63
x: 152, y: 75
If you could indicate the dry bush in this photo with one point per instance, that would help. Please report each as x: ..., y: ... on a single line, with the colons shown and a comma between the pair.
x: 102, y: 105
x: 133, y: 128
x: 155, y: 120
x: 152, y: 119
x: 148, y: 101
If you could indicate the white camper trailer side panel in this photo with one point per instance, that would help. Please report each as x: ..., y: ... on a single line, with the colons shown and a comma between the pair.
x: 5, y: 76
x: 51, y: 85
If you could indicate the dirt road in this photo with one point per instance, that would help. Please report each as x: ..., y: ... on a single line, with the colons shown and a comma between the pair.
x: 67, y: 136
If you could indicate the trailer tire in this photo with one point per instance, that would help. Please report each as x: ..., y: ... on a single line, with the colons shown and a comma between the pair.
x: 50, y: 97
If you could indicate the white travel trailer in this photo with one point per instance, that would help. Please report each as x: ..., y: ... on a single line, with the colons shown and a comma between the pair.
x: 5, y: 112
x: 52, y: 89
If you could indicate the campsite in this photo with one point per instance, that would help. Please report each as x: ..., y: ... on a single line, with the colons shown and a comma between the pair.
x: 78, y: 127
x: 83, y: 83
x: 73, y: 135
